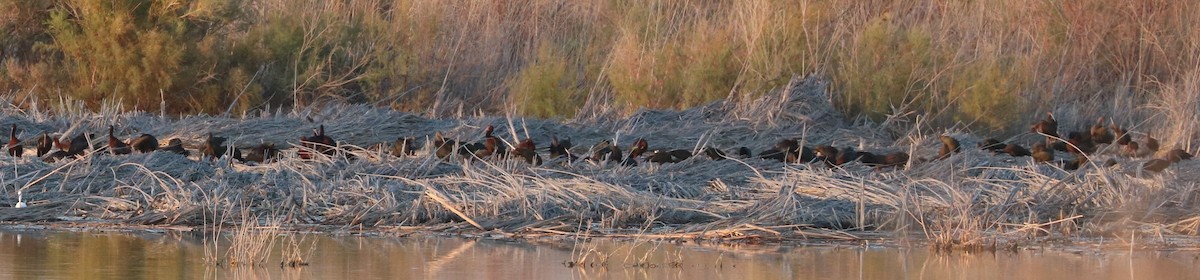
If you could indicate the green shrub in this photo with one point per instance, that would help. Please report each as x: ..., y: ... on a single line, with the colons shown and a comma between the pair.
x: 988, y: 93
x: 887, y: 65
x: 141, y: 51
x: 547, y: 87
x: 780, y: 38
x: 708, y: 68
x: 671, y: 66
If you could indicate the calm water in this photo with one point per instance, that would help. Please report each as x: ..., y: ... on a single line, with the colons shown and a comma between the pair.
x: 74, y: 255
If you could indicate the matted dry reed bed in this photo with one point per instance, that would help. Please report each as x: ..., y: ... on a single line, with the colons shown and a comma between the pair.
x: 972, y: 199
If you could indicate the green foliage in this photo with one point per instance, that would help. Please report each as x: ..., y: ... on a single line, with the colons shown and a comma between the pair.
x: 313, y: 53
x: 779, y: 42
x: 987, y: 92
x: 672, y: 66
x: 142, y: 52
x: 887, y: 66
x: 547, y: 87
x: 117, y: 50
x: 635, y: 74
x: 894, y: 66
x: 709, y: 70
x: 631, y: 78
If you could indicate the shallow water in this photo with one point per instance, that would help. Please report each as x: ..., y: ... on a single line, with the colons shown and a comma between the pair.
x: 82, y: 255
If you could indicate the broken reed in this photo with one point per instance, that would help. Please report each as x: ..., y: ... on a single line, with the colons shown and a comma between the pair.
x: 251, y: 240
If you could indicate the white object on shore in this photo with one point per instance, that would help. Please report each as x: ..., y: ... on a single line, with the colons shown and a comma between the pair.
x: 20, y: 201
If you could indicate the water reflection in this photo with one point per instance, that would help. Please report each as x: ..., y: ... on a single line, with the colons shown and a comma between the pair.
x: 74, y: 255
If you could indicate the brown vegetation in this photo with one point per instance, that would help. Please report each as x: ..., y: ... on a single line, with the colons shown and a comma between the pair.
x: 987, y: 64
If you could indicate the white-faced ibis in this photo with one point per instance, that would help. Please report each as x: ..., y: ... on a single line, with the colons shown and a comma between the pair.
x: 501, y: 147
x: 561, y: 148
x: 1123, y: 137
x: 263, y: 153
x: 1041, y: 153
x: 1015, y: 150
x: 713, y: 153
x: 1176, y: 155
x: 81, y: 143
x: 1156, y: 165
x: 780, y: 151
x: 14, y: 145
x: 1076, y: 163
x: 214, y: 148
x: 744, y: 152
x: 828, y: 154
x: 44, y: 144
x: 1047, y: 126
x: 527, y: 150
x: 443, y: 147
x: 1100, y: 133
x: 489, y: 148
x: 640, y: 147
x: 405, y: 146
x: 1151, y: 144
x: 606, y: 151
x: 800, y: 154
x: 145, y: 143
x: 116, y: 146
x: 176, y: 146
x: 1080, y: 143
x: 949, y: 146
x: 896, y: 159
x: 659, y: 156
x: 1131, y: 149
x: 992, y: 145
x: 318, y: 142
x: 846, y: 155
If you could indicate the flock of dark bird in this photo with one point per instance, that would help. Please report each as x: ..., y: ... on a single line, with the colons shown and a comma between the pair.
x: 1080, y: 144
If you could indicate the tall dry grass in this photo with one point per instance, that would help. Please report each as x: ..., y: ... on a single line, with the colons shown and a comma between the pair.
x: 986, y: 64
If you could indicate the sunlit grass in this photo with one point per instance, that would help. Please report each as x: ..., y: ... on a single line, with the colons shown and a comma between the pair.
x: 984, y: 64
